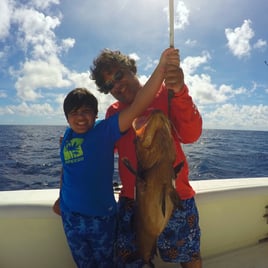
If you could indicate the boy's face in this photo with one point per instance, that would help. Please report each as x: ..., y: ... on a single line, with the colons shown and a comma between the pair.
x: 81, y: 120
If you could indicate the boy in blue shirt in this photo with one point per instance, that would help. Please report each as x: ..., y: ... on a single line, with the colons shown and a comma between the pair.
x: 87, y: 204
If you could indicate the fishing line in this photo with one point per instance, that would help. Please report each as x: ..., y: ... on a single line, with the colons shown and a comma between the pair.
x: 171, y: 23
x: 171, y: 44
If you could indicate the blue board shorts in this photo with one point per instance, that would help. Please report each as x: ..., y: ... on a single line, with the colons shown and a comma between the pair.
x: 91, y: 239
x: 179, y: 241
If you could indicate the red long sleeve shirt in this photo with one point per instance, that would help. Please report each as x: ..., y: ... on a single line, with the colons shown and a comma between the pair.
x: 188, y: 124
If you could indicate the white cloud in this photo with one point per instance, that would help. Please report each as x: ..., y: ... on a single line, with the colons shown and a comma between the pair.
x: 260, y: 44
x: 36, y: 74
x: 5, y: 18
x: 181, y: 19
x: 104, y: 102
x: 134, y: 56
x: 190, y: 43
x: 230, y: 116
x: 204, y: 91
x: 201, y: 87
x: 35, y: 32
x: 143, y: 79
x: 7, y: 110
x: 33, y: 52
x: 3, y: 94
x: 239, y: 39
x: 81, y: 80
x: 41, y: 4
x: 180, y: 16
x: 42, y: 68
x: 190, y: 64
x: 67, y: 43
x: 26, y: 109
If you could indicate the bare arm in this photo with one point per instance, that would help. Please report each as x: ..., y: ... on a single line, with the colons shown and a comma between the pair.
x: 146, y: 95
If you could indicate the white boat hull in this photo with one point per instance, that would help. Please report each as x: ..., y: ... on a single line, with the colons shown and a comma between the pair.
x: 231, y: 214
x: 231, y: 220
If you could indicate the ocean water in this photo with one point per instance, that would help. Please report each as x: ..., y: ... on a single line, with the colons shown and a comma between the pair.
x: 29, y: 156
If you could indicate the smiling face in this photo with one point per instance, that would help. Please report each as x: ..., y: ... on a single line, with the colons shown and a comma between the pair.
x: 81, y: 109
x: 125, y: 88
x: 81, y: 120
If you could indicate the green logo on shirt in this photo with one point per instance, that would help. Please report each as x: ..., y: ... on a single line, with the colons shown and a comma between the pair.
x: 72, y: 151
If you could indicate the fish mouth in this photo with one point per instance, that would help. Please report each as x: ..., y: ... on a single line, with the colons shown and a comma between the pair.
x: 146, y: 127
x: 139, y: 125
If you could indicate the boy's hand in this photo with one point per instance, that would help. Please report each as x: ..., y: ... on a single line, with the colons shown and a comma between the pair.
x: 170, y: 56
x: 56, y: 207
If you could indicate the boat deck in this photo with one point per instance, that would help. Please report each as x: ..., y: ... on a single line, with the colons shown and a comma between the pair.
x: 251, y: 257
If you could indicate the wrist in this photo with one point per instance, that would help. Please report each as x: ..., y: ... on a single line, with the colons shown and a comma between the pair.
x: 161, y: 69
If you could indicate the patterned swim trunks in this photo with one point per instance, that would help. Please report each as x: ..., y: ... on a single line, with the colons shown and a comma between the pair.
x: 91, y: 239
x: 179, y: 242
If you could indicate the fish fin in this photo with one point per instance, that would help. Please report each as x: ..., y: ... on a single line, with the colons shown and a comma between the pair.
x: 178, y: 167
x: 129, y: 166
x: 163, y: 202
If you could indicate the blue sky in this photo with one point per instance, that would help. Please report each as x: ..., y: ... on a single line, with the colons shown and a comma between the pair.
x: 47, y: 47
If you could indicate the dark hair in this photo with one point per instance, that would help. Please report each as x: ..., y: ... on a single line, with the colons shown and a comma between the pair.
x: 107, y: 61
x: 77, y: 98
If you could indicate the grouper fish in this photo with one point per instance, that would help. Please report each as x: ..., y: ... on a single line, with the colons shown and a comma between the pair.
x: 156, y: 196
